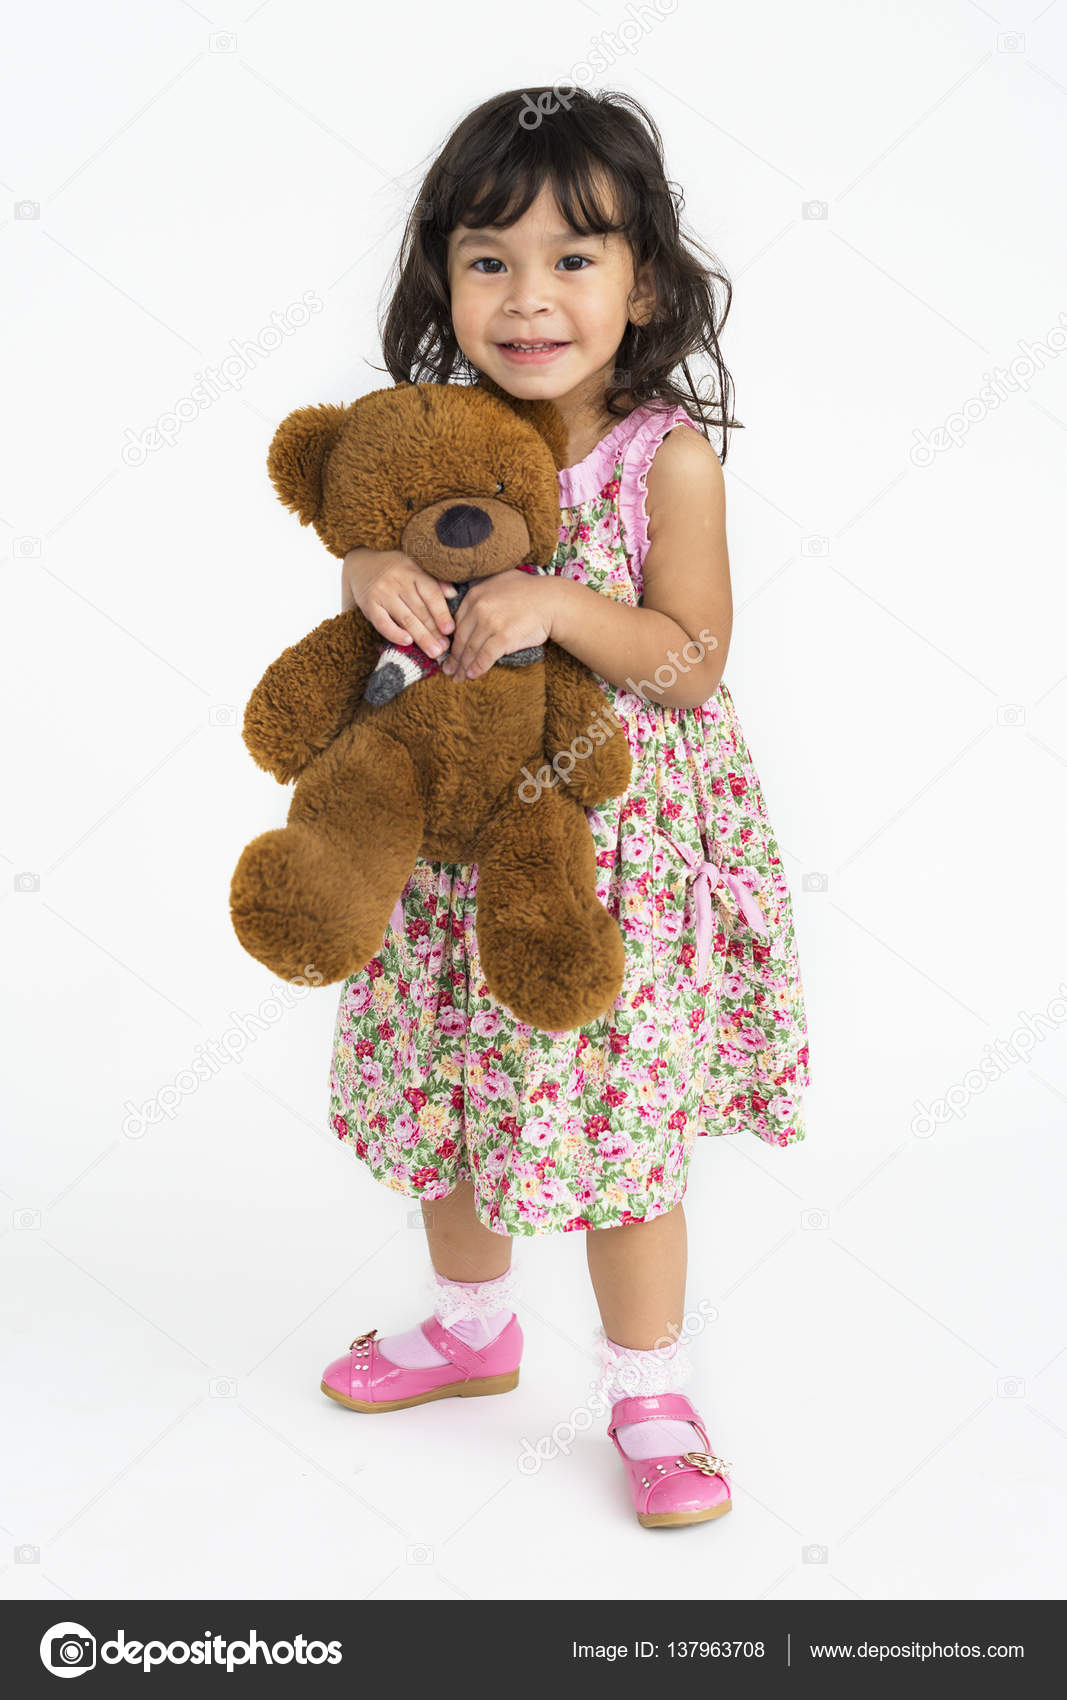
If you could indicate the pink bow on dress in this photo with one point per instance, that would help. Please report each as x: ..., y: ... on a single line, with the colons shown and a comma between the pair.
x: 708, y: 878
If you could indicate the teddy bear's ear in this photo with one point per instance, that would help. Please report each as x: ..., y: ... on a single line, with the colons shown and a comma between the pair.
x: 545, y: 419
x: 296, y: 458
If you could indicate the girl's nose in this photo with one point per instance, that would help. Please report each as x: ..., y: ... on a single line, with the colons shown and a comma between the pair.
x: 527, y: 297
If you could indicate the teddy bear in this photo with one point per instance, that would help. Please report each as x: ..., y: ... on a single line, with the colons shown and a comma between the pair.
x: 395, y: 760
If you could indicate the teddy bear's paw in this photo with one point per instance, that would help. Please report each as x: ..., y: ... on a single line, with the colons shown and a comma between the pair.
x: 560, y: 979
x: 606, y: 774
x: 299, y: 907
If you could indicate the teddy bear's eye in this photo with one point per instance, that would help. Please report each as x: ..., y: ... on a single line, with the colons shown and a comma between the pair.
x: 409, y: 504
x: 498, y: 489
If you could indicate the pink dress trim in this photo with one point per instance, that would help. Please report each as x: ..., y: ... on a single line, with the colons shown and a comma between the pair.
x: 587, y: 477
x: 637, y: 436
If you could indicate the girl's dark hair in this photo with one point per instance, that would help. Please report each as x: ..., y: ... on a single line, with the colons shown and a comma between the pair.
x: 492, y: 167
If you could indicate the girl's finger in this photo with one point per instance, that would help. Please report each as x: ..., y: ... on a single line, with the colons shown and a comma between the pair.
x: 479, y: 661
x: 434, y: 611
x: 452, y: 663
x: 463, y: 650
x: 425, y: 635
x: 386, y: 626
x: 434, y: 595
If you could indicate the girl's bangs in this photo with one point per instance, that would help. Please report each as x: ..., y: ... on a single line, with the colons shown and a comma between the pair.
x: 585, y: 189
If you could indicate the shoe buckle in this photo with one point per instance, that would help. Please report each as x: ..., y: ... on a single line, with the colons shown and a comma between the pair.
x: 362, y: 1340
x: 707, y: 1463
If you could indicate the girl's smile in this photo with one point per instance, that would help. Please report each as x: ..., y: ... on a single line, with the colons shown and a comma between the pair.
x: 532, y: 354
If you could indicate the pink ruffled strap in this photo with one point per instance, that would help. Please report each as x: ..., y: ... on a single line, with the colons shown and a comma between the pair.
x: 638, y: 457
x: 587, y: 477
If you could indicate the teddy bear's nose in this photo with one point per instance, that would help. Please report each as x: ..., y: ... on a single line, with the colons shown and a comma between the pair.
x: 462, y: 526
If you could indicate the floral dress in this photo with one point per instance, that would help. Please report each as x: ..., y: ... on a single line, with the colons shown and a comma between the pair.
x: 433, y: 1081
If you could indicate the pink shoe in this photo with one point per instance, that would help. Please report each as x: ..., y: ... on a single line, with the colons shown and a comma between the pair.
x: 687, y: 1487
x: 365, y: 1380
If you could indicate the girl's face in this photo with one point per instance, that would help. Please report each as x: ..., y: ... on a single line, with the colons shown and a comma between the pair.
x: 538, y: 283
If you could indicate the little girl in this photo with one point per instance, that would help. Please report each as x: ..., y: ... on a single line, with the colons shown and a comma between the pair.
x: 547, y: 258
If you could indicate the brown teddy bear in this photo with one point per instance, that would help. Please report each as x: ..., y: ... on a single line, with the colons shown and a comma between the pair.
x: 462, y: 478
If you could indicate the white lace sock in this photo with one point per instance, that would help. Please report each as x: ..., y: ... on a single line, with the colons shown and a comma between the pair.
x: 475, y: 1311
x: 627, y: 1373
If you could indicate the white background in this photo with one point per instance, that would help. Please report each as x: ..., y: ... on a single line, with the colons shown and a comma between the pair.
x: 888, y: 1375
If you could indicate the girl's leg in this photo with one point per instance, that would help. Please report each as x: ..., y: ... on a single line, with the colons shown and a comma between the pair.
x: 461, y: 1247
x: 473, y: 1290
x: 638, y: 1273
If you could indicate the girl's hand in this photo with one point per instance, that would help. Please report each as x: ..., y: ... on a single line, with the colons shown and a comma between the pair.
x: 511, y: 610
x: 401, y: 601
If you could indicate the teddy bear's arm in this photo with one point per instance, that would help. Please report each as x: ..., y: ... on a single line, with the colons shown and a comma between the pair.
x: 310, y: 694
x: 577, y: 714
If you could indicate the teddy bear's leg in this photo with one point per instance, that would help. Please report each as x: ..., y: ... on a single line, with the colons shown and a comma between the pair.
x: 317, y: 894
x: 550, y: 950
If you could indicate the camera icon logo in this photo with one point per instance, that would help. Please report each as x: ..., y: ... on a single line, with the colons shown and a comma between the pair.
x: 815, y: 1554
x: 814, y: 881
x: 26, y: 548
x: 27, y: 209
x: 224, y: 41
x: 815, y: 546
x: 420, y: 1555
x: 1010, y: 42
x: 27, y: 881
x: 1011, y: 1387
x: 1011, y: 714
x: 814, y: 209
x: 68, y: 1649
x: 814, y: 1218
x: 222, y: 714
x: 222, y: 1387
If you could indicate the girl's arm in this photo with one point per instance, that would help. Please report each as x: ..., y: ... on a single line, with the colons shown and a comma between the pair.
x: 686, y: 598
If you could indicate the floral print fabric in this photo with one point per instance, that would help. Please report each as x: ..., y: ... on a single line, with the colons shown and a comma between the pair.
x: 433, y: 1081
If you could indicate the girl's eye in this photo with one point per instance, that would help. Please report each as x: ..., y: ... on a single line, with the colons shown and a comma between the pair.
x: 491, y: 260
